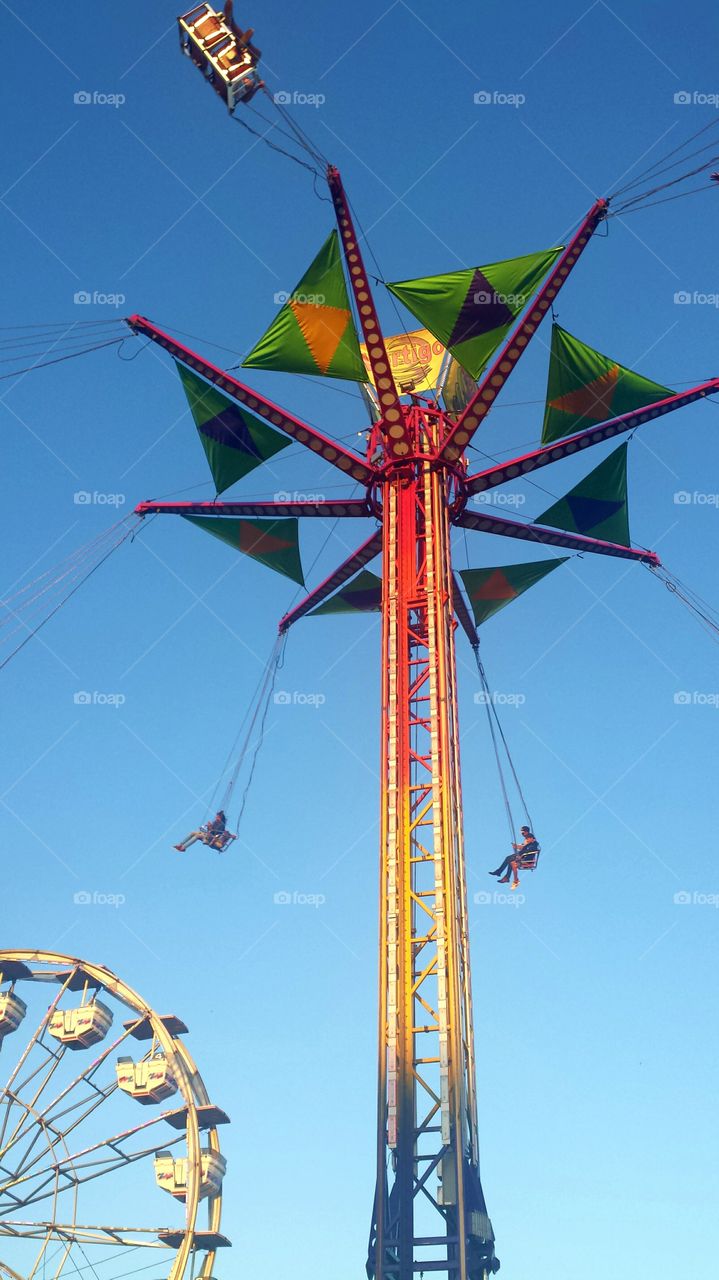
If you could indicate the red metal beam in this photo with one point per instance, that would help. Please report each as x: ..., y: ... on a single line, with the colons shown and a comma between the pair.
x: 350, y: 463
x: 353, y: 508
x: 396, y: 436
x: 503, y: 364
x: 346, y: 570
x: 462, y: 613
x: 552, y: 537
x: 516, y: 467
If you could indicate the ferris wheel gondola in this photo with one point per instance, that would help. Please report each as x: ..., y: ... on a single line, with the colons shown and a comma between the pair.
x: 75, y: 1162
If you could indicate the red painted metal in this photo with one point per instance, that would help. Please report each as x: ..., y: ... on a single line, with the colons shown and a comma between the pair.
x: 350, y: 463
x: 462, y: 613
x: 346, y: 570
x: 552, y: 537
x: 351, y: 509
x: 518, y: 467
x: 503, y: 364
x: 397, y: 441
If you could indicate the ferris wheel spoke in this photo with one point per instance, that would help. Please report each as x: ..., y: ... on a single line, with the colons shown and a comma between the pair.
x: 38, y: 1032
x: 124, y: 1237
x: 74, y: 1169
x: 86, y: 1075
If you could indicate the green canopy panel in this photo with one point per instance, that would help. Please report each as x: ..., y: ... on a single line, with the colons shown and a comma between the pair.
x: 586, y: 387
x: 471, y: 311
x: 597, y: 507
x: 362, y: 595
x: 489, y: 590
x: 235, y: 441
x: 314, y: 332
x: 274, y: 543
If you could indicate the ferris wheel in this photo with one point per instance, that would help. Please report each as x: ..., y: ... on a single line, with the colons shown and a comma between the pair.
x: 104, y: 1120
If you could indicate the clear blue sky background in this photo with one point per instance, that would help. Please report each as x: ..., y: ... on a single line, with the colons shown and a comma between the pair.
x: 595, y: 997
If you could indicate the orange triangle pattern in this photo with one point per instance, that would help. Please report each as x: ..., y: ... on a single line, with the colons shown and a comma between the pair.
x: 256, y: 541
x: 497, y: 587
x: 322, y: 328
x: 593, y: 401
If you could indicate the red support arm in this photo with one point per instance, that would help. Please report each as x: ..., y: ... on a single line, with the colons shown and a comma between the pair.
x: 463, y: 615
x: 351, y: 509
x: 552, y: 537
x: 511, y: 470
x: 503, y: 364
x: 347, y: 570
x: 396, y: 437
x: 329, y: 449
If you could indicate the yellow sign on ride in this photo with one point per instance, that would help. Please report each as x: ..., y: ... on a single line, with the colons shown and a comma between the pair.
x: 415, y: 359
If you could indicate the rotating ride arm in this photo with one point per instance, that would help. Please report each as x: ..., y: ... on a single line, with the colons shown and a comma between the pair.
x: 346, y: 570
x: 503, y: 364
x: 397, y: 440
x: 350, y: 463
x: 552, y: 537
x: 351, y: 508
x: 517, y: 467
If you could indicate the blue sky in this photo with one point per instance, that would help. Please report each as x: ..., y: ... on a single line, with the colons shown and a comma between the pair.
x: 596, y: 1012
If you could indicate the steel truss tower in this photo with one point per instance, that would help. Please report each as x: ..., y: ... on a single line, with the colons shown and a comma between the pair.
x: 429, y: 1209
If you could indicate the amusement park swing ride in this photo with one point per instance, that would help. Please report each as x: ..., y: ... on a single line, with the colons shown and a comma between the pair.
x: 429, y: 1212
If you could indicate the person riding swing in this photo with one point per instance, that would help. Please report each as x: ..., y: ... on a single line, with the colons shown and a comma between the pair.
x: 524, y: 858
x: 212, y: 833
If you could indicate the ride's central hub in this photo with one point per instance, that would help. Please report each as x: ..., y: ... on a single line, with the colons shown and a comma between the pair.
x: 426, y: 427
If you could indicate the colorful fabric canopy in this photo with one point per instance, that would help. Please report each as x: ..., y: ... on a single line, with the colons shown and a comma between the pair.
x: 597, y: 507
x: 458, y: 389
x: 489, y: 590
x: 471, y: 311
x: 362, y: 595
x: 314, y: 332
x: 586, y: 387
x: 274, y: 543
x: 235, y: 441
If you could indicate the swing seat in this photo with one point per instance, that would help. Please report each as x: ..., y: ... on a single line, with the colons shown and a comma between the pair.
x: 219, y: 842
x: 224, y: 54
x: 528, y: 861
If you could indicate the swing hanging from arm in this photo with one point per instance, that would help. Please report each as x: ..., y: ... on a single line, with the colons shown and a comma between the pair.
x: 523, y: 861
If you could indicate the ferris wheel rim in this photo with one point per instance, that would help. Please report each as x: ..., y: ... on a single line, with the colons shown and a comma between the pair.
x: 63, y: 968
